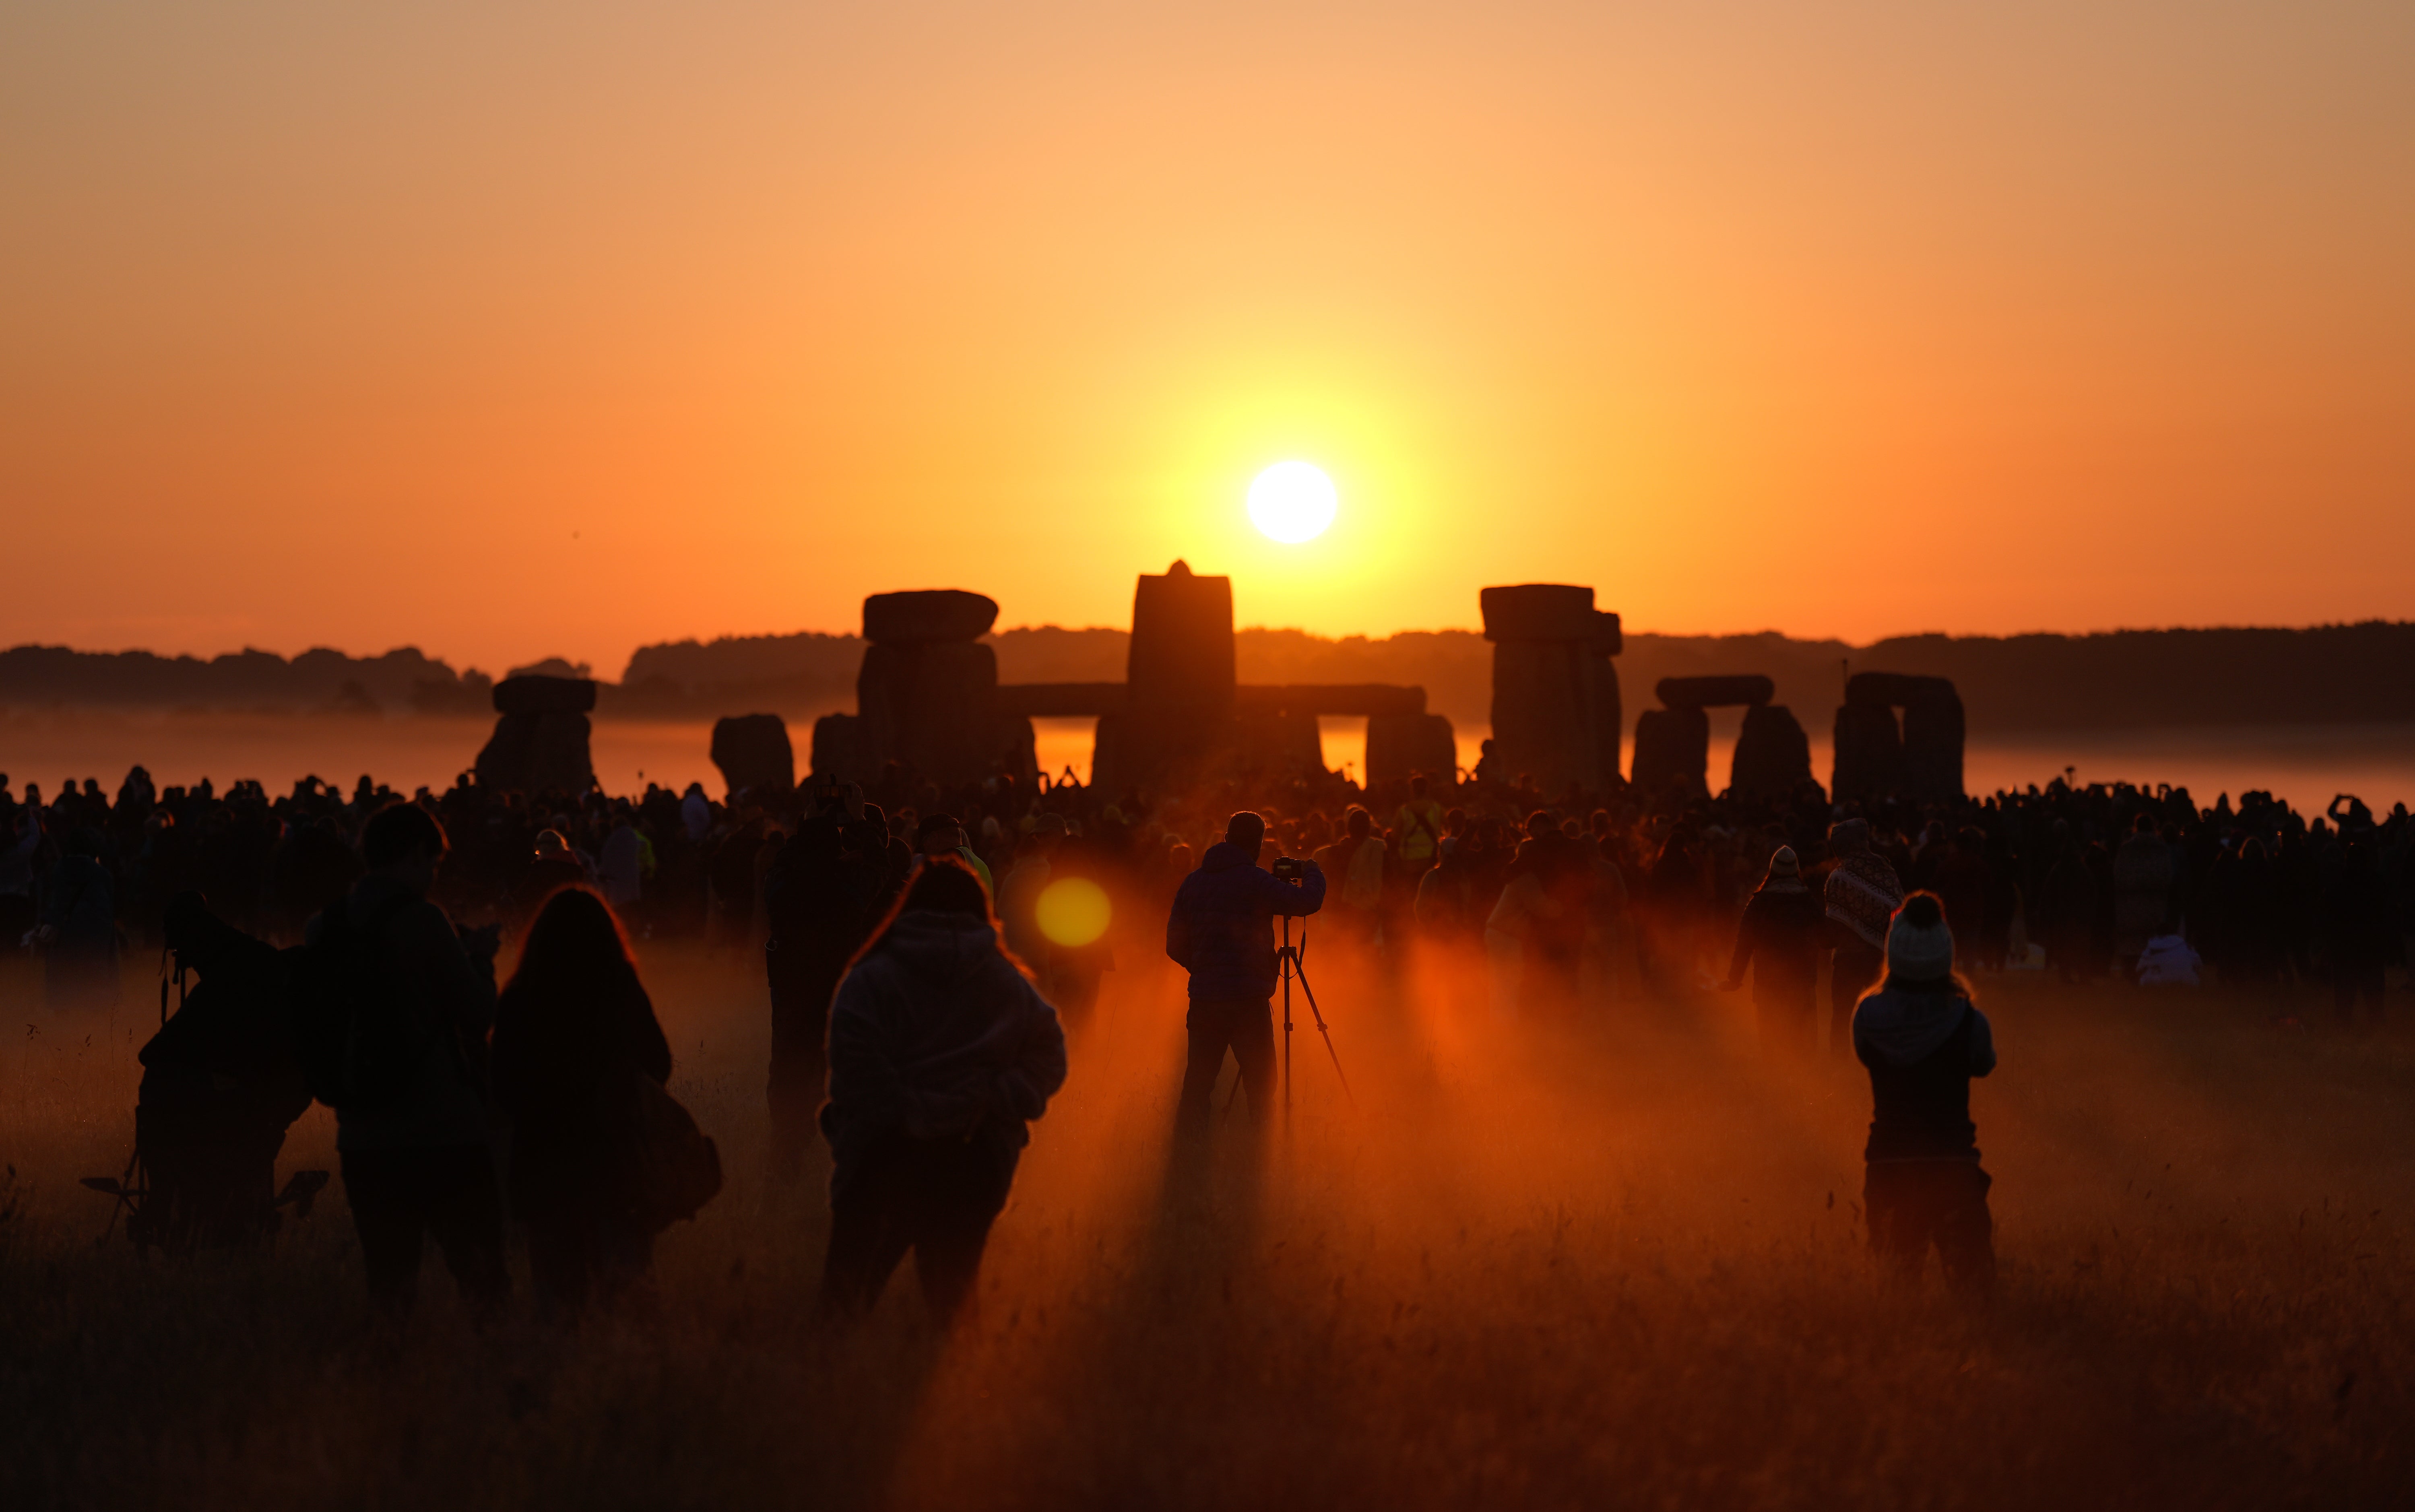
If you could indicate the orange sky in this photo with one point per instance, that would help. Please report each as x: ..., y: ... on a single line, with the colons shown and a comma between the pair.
x: 508, y: 330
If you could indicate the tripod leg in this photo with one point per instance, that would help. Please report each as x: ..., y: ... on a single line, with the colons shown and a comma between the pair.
x: 1327, y: 1036
x: 1286, y: 1045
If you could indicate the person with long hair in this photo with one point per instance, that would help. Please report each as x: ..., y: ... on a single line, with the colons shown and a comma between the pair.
x: 1779, y: 938
x: 941, y: 1053
x: 1923, y: 1039
x: 573, y: 1029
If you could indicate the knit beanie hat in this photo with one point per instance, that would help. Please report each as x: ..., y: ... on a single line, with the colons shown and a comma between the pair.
x: 1919, y: 947
x: 1785, y: 863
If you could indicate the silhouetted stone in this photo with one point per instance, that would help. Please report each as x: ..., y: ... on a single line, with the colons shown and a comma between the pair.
x: 1868, y: 753
x: 754, y: 755
x: 1363, y: 700
x: 544, y: 695
x: 1555, y: 707
x: 1714, y: 692
x: 1609, y: 725
x: 1671, y: 746
x: 1181, y: 640
x: 1157, y: 747
x: 932, y: 706
x: 1932, y: 745
x: 1401, y: 746
x: 1922, y: 760
x: 1537, y: 611
x: 538, y: 751
x: 841, y: 752
x: 1773, y: 756
x: 927, y: 617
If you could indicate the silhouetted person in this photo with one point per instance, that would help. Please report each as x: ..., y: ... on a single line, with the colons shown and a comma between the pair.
x: 943, y: 834
x: 573, y: 1029
x: 1222, y: 932
x: 1923, y: 1040
x: 18, y: 916
x: 821, y: 897
x: 1418, y: 829
x: 1859, y: 897
x: 2142, y: 891
x: 2356, y: 934
x: 621, y: 866
x: 220, y: 1087
x: 942, y: 1052
x: 551, y: 865
x: 1456, y: 897
x: 1356, y: 861
x: 79, y: 930
x: 2067, y: 907
x: 417, y: 1152
x: 1779, y: 937
x: 1018, y: 901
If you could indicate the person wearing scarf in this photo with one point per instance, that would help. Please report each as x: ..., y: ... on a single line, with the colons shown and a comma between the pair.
x: 1923, y: 1042
x: 1780, y: 937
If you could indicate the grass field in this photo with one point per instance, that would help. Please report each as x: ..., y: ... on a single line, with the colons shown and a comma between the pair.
x: 1612, y: 1263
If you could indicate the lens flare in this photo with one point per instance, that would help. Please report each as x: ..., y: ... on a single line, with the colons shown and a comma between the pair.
x: 1292, y: 501
x: 1073, y: 911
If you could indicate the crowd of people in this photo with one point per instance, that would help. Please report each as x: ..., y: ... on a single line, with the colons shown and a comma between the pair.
x: 920, y: 996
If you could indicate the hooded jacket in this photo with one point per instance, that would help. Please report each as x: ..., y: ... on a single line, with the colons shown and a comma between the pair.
x: 937, y: 1034
x: 1921, y: 1048
x: 1222, y: 930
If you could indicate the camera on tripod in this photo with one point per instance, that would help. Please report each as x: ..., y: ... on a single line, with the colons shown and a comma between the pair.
x: 1289, y: 869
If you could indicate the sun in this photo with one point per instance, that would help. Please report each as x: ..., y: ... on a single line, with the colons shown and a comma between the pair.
x: 1292, y: 501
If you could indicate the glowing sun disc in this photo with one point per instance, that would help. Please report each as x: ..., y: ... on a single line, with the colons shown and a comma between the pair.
x: 1292, y: 501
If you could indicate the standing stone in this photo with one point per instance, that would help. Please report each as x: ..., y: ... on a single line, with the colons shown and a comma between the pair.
x: 1554, y: 693
x: 1773, y: 756
x: 1401, y: 745
x: 754, y: 756
x: 1933, y: 745
x: 540, y: 744
x: 1921, y: 761
x: 1673, y: 748
x: 841, y: 752
x: 1177, y: 722
x: 926, y: 694
x: 1868, y: 755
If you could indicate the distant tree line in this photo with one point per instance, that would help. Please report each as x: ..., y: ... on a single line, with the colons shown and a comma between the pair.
x: 2126, y: 679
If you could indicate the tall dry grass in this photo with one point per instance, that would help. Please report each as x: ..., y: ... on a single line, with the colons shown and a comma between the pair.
x: 1609, y: 1262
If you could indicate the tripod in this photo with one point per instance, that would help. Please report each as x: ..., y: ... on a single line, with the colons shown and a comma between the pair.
x: 1289, y: 960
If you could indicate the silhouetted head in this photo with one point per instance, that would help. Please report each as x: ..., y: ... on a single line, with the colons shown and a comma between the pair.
x: 1849, y: 837
x: 938, y: 834
x: 1417, y: 785
x: 945, y: 885
x: 1541, y: 823
x: 1919, y: 947
x: 1784, y: 866
x: 402, y: 835
x: 574, y: 951
x: 1362, y: 823
x: 1246, y: 829
x: 551, y: 847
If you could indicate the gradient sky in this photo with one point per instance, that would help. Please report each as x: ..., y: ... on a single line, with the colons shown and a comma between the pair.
x: 513, y: 329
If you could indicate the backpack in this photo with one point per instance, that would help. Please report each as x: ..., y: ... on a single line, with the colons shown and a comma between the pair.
x: 360, y: 1045
x: 674, y: 1167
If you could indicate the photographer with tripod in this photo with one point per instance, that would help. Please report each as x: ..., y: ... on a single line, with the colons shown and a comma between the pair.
x: 1222, y: 931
